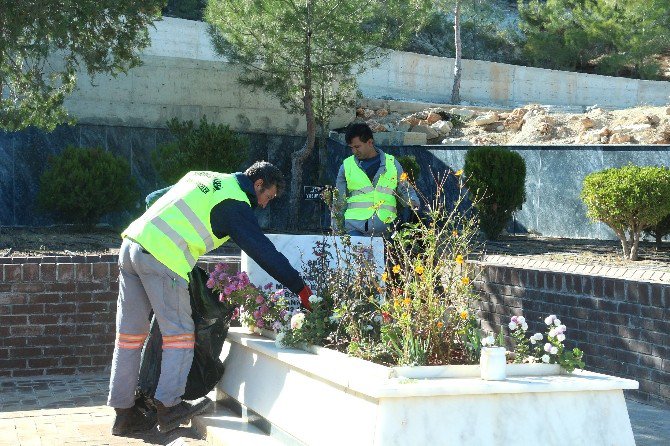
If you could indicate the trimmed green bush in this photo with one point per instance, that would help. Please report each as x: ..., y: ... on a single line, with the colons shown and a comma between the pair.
x: 496, y: 178
x: 628, y: 199
x: 660, y: 230
x: 82, y: 184
x: 208, y: 146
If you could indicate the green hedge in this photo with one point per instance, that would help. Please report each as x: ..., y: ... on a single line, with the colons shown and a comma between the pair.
x: 83, y: 184
x: 496, y: 178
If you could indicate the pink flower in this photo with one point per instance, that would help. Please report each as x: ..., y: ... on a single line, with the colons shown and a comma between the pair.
x: 218, y: 267
x: 236, y: 313
x: 211, y: 282
x: 259, y: 299
x: 268, y: 286
x: 257, y: 314
x: 264, y: 309
x: 514, y: 319
x: 276, y: 325
x: 280, y: 292
x: 222, y: 297
x: 228, y: 289
x: 260, y: 323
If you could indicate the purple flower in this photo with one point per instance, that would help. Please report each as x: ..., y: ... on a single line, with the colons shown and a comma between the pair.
x: 264, y: 309
x: 219, y: 267
x: 280, y: 292
x: 257, y: 314
x: 268, y: 286
x: 228, y: 289
x: 276, y: 325
x: 260, y: 323
x: 236, y: 313
x: 259, y: 299
x: 211, y: 282
x: 514, y: 319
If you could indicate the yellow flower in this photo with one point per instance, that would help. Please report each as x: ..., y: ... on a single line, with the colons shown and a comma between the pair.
x: 396, y: 303
x: 407, y: 301
x: 459, y: 259
x: 403, y: 176
x: 464, y: 314
x: 459, y: 172
x: 385, y: 276
x: 396, y: 269
x: 465, y: 280
x: 440, y: 324
x: 419, y: 269
x: 454, y: 233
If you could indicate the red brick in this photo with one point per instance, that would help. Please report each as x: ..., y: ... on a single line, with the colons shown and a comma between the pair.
x: 53, y: 331
x: 8, y: 321
x: 80, y: 318
x: 76, y: 339
x: 71, y: 360
x: 101, y: 360
x: 28, y: 330
x: 14, y: 342
x: 82, y: 272
x: 109, y: 316
x: 62, y: 371
x: 92, y: 307
x: 100, y: 271
x: 48, y: 272
x: 59, y: 350
x: 12, y: 298
x: 4, y: 353
x: 28, y: 309
x: 65, y: 272
x: 12, y: 364
x: 114, y: 271
x: 11, y: 273
x: 43, y: 362
x: 63, y: 287
x: 107, y: 296
x: 91, y: 286
x: 31, y: 272
x: 43, y: 319
x: 28, y: 372
x: 25, y: 352
x: 5, y: 287
x: 34, y: 287
x: 61, y: 308
x: 80, y: 297
x: 44, y: 298
x: 50, y: 338
x: 4, y: 331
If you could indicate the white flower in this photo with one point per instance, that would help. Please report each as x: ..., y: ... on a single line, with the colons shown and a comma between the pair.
x: 377, y: 318
x: 545, y: 359
x: 553, y: 350
x: 368, y: 327
x: 557, y: 322
x: 538, y: 336
x: 547, y: 347
x: 533, y: 340
x: 297, y: 320
x: 552, y: 333
x: 287, y: 316
x: 488, y: 341
x: 524, y: 326
x: 279, y: 340
x: 561, y: 329
x: 561, y: 337
x: 314, y: 299
x: 521, y: 320
x: 333, y: 319
x: 549, y: 319
x: 512, y: 326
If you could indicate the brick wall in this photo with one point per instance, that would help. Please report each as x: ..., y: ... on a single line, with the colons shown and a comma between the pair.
x: 622, y: 326
x: 57, y: 314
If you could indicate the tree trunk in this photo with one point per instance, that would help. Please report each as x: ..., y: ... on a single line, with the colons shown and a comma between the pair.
x: 624, y: 243
x: 298, y: 158
x: 455, y: 91
x: 635, y: 235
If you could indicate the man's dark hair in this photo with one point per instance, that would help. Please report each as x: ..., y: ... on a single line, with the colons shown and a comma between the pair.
x: 271, y: 176
x: 360, y: 130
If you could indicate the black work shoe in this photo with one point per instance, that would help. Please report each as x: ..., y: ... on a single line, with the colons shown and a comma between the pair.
x: 132, y: 420
x: 171, y: 417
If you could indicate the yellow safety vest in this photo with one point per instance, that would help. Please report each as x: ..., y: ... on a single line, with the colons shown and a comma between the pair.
x: 176, y: 229
x: 364, y: 199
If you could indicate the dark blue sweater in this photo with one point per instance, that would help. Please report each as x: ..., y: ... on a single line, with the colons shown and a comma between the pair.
x: 237, y: 220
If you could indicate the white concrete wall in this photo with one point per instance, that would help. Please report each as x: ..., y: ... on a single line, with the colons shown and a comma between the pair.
x: 182, y: 77
x: 410, y: 76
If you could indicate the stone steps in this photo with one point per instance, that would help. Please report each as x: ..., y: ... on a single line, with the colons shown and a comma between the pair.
x: 222, y: 427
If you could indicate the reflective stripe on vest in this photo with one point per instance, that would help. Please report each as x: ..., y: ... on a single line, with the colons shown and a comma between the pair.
x: 364, y: 199
x: 176, y: 229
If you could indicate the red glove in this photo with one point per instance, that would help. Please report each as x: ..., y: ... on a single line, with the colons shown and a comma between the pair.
x: 304, y: 295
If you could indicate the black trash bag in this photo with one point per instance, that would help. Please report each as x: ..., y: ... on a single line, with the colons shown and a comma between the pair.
x: 212, y: 319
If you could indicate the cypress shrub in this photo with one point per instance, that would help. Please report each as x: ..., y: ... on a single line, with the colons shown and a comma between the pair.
x: 207, y: 146
x: 496, y: 178
x: 82, y: 184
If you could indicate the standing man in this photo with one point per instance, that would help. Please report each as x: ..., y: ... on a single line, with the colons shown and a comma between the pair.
x: 368, y: 183
x: 196, y: 215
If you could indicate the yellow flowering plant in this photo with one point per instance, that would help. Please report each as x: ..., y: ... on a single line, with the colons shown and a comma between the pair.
x: 428, y: 291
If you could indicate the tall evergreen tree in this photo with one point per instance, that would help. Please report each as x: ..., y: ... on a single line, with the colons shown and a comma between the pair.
x: 43, y: 44
x: 307, y: 53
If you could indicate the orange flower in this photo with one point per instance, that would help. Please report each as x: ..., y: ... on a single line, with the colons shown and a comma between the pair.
x: 454, y: 233
x: 407, y: 301
x: 465, y: 280
x: 404, y: 176
x: 440, y: 324
x: 459, y: 172
x: 459, y: 259
x: 464, y: 314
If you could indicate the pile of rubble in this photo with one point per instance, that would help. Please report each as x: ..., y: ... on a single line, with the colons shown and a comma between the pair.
x: 531, y: 124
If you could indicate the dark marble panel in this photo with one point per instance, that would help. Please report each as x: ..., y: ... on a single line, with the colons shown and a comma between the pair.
x: 7, y: 201
x: 143, y: 142
x: 91, y: 136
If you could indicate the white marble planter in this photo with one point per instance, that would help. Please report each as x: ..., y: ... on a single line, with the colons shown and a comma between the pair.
x: 322, y: 397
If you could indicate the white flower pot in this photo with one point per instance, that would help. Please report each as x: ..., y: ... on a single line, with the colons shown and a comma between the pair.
x: 493, y: 364
x: 323, y: 397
